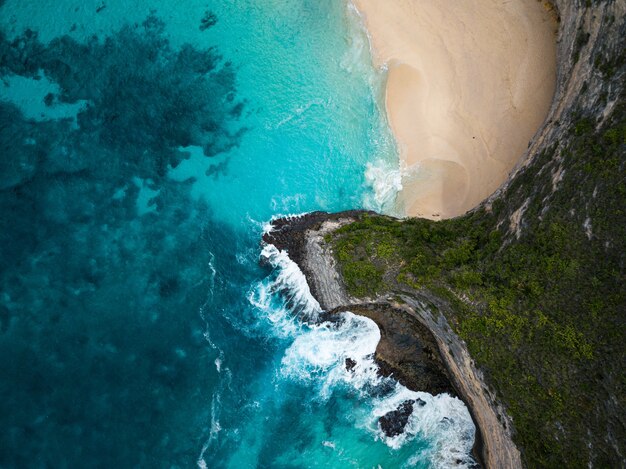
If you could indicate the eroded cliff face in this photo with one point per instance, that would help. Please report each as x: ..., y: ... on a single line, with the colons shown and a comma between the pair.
x: 417, y: 344
x: 572, y: 176
x: 590, y: 86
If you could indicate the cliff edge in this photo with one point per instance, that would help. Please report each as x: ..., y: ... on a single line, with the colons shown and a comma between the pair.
x: 305, y: 239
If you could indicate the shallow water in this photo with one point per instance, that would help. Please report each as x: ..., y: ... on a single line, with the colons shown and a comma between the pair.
x: 144, y: 149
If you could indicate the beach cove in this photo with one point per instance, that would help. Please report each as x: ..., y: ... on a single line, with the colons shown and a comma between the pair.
x: 537, y: 263
x: 468, y: 85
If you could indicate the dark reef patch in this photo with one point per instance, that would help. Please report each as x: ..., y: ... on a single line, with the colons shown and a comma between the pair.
x: 168, y: 98
x: 208, y: 20
x: 100, y: 333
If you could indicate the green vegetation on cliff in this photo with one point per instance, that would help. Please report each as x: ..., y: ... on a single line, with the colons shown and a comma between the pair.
x: 536, y: 286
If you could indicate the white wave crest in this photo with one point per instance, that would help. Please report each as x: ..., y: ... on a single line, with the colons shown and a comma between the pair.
x: 284, y: 298
x: 442, y: 420
x: 320, y: 354
x: 340, y: 353
x: 268, y: 226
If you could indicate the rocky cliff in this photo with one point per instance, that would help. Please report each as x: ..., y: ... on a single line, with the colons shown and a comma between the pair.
x: 417, y: 344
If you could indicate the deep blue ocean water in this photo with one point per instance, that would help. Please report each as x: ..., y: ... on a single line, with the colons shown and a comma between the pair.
x: 144, y: 147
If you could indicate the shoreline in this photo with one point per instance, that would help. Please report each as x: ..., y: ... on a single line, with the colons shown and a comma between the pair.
x: 468, y: 86
x: 307, y: 238
x: 303, y: 238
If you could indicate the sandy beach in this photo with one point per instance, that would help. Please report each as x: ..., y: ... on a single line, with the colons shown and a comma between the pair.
x: 468, y: 85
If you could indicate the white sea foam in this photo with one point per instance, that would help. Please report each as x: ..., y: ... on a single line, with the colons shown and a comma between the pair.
x: 340, y: 353
x: 356, y: 57
x: 291, y: 282
x: 213, y: 432
x: 213, y: 274
x: 284, y: 298
x: 385, y: 180
x: 268, y: 226
x: 442, y: 420
x: 319, y: 356
x: 320, y: 353
x: 288, y: 203
x: 446, y: 422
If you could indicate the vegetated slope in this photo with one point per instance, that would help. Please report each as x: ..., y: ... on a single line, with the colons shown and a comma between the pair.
x: 535, y: 277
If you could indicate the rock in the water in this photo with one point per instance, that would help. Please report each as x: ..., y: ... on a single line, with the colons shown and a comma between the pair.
x: 350, y: 364
x: 393, y: 423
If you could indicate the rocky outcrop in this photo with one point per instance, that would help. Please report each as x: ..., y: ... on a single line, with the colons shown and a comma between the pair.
x: 302, y: 238
x: 407, y: 350
x: 417, y: 346
x: 393, y: 423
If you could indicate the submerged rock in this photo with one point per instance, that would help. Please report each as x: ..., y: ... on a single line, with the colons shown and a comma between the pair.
x: 208, y: 20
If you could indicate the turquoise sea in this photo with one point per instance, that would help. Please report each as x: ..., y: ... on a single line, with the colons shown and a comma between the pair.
x: 144, y: 147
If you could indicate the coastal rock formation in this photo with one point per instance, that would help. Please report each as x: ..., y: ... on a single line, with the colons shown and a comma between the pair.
x: 393, y: 423
x: 421, y: 351
x: 407, y: 349
x: 301, y: 238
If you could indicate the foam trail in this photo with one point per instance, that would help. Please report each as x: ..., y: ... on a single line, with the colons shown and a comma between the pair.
x: 385, y: 182
x: 215, y: 429
x: 297, y: 112
x: 204, y: 314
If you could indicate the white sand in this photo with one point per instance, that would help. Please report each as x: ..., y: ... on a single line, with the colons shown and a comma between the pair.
x: 469, y: 83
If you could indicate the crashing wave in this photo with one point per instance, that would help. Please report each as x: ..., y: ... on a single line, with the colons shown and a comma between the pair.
x: 284, y: 297
x: 340, y: 353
